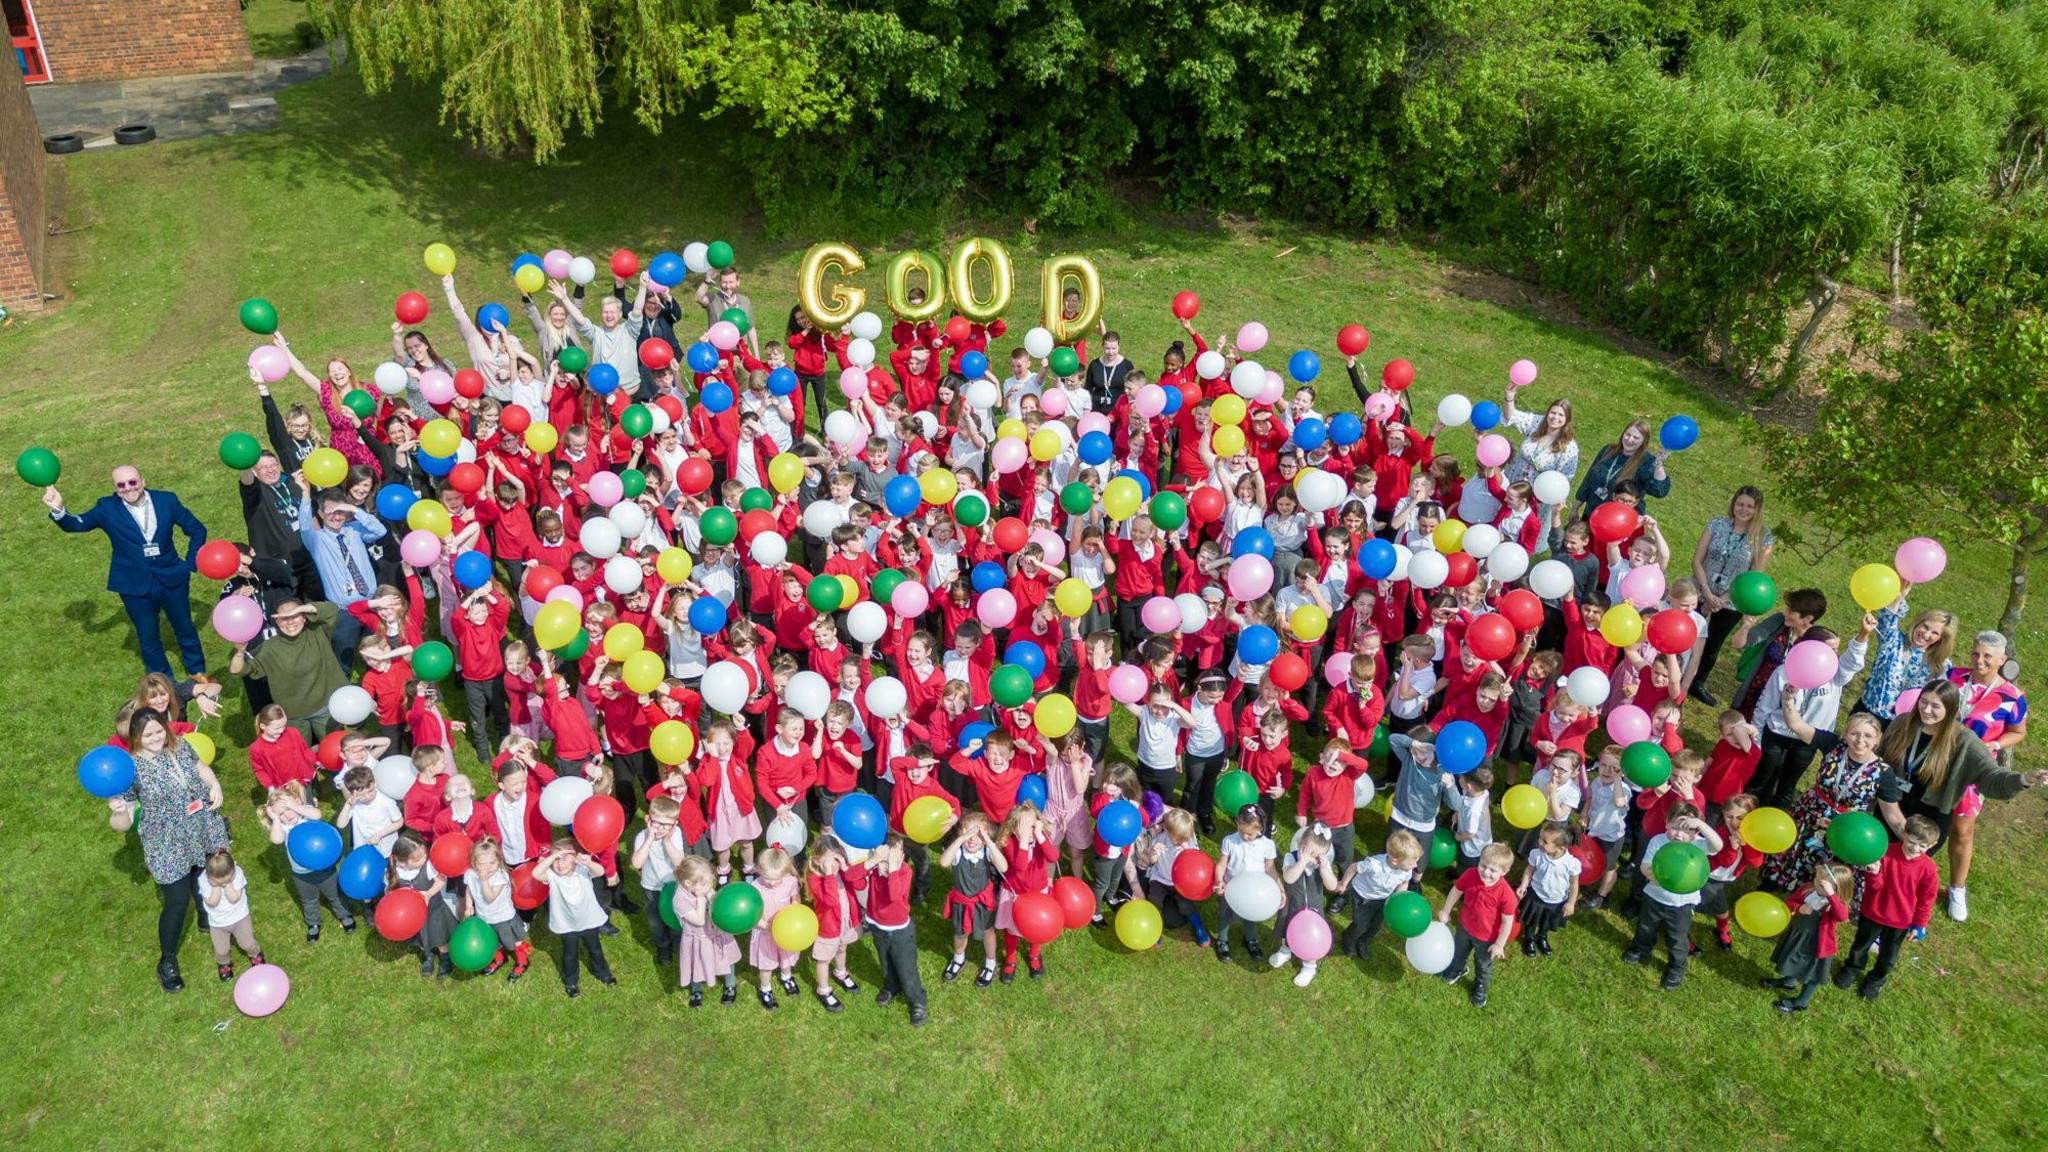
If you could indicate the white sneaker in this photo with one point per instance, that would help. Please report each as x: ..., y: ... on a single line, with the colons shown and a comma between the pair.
x: 1307, y: 973
x: 1280, y: 957
x: 1958, y: 905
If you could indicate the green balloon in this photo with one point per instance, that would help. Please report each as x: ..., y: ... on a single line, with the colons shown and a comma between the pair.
x: 668, y: 907
x: 1443, y: 848
x: 718, y: 526
x: 473, y: 945
x: 737, y: 907
x: 1076, y: 499
x: 737, y: 317
x: 883, y: 586
x: 970, y: 510
x: 1406, y: 914
x: 824, y: 593
x: 1234, y: 790
x: 433, y: 660
x: 259, y: 316
x: 633, y: 481
x: 1010, y: 685
x: 637, y: 421
x: 756, y: 500
x: 359, y: 402
x: 576, y: 647
x: 1857, y: 839
x: 1680, y: 868
x: 1168, y: 511
x: 1064, y: 361
x: 1646, y: 764
x: 238, y: 450
x: 572, y: 358
x: 718, y: 254
x: 39, y: 466
x: 1753, y: 593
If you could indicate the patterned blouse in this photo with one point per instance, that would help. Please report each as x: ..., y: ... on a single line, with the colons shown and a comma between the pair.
x: 1897, y: 665
x: 175, y: 835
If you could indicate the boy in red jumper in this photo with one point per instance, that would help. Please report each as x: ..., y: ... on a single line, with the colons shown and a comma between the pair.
x: 479, y: 627
x: 1486, y: 920
x: 1896, y: 900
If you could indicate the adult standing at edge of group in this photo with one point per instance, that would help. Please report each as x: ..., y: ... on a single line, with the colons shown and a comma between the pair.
x: 1995, y: 710
x: 1729, y: 546
x: 144, y: 568
x: 174, y: 807
x: 1630, y: 459
x: 720, y: 292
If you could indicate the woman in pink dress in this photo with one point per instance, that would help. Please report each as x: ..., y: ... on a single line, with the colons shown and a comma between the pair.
x: 779, y: 887
x: 706, y: 951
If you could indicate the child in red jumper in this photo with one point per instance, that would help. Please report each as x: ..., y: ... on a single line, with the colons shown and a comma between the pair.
x: 1806, y: 950
x: 1897, y: 899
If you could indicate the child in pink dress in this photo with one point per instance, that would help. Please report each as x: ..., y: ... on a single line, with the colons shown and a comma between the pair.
x: 706, y: 951
x: 779, y: 888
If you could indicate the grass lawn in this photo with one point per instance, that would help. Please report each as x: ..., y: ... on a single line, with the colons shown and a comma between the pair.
x: 327, y: 217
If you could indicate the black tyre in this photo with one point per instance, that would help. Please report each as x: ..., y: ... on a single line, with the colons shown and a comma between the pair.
x: 64, y: 145
x: 134, y: 134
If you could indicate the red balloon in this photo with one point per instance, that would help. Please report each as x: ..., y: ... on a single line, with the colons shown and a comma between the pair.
x: 527, y: 893
x: 542, y: 579
x: 410, y: 309
x: 1522, y: 608
x: 694, y: 475
x: 1672, y: 631
x: 330, y: 751
x: 514, y: 418
x: 624, y: 263
x: 1186, y: 304
x: 1592, y: 861
x: 656, y: 354
x: 670, y: 405
x: 1011, y: 535
x: 1353, y: 339
x: 1613, y: 521
x: 1204, y: 505
x: 1038, y: 917
x: 1076, y: 900
x: 450, y: 854
x: 401, y: 914
x: 599, y: 820
x: 1398, y: 374
x: 467, y: 479
x: 217, y: 560
x: 1463, y: 570
x: 754, y: 523
x: 1288, y: 672
x: 1194, y: 874
x: 958, y: 329
x: 1490, y: 637
x: 469, y: 383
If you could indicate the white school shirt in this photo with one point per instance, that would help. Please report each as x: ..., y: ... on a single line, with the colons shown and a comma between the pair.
x: 1551, y: 880
x: 1241, y: 856
x: 511, y: 828
x: 1657, y: 893
x: 493, y: 911
x: 1605, y: 821
x: 380, y: 812
x: 1158, y: 737
x: 572, y: 900
x: 1475, y: 816
x: 657, y: 871
x: 227, y: 913
x: 1376, y: 879
x: 1568, y: 793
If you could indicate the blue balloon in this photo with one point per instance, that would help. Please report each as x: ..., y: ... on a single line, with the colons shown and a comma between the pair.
x: 973, y: 365
x: 313, y: 845
x: 1252, y: 542
x: 859, y: 822
x: 707, y: 615
x: 1173, y: 402
x: 1026, y: 655
x: 493, y: 318
x: 1144, y: 485
x: 525, y: 258
x: 472, y: 569
x: 702, y: 357
x: 106, y: 771
x: 602, y: 378
x: 1119, y: 823
x: 667, y: 269
x: 901, y: 495
x: 1258, y: 644
x: 1378, y: 559
x: 715, y: 397
x: 1460, y: 747
x: 988, y: 574
x: 1346, y: 429
x: 1485, y: 415
x: 1096, y: 448
x: 781, y: 382
x: 1679, y: 433
x: 393, y: 500
x: 434, y: 465
x: 1310, y: 434
x: 361, y: 875
x: 979, y: 730
x: 1031, y: 790
x: 1304, y: 365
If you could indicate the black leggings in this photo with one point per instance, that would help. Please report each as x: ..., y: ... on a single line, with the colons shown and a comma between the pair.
x: 1719, y: 626
x: 180, y: 898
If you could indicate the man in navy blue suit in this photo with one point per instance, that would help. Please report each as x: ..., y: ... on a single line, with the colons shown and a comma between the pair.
x: 145, y: 569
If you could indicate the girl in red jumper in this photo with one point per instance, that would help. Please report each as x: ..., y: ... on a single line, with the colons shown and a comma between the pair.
x: 1805, y: 952
x: 831, y: 882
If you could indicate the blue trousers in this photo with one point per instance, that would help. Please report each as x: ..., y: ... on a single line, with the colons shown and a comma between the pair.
x: 176, y: 604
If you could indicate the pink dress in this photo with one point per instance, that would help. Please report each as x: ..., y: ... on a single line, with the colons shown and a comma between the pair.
x: 730, y: 826
x: 1066, y: 809
x: 706, y: 952
x: 762, y: 951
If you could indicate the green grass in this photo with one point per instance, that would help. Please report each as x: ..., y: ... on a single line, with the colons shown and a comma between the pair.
x: 327, y: 217
x: 279, y: 27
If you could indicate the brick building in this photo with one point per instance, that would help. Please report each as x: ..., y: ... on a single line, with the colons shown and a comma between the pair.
x: 73, y: 41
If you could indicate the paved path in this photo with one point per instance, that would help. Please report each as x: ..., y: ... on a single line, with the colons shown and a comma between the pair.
x: 178, y: 107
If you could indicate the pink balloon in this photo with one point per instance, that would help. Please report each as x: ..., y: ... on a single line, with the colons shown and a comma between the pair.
x: 1644, y: 587
x: 1053, y: 403
x: 1920, y: 560
x: 1522, y: 373
x: 1810, y: 664
x: 238, y: 619
x: 1308, y: 935
x: 1249, y: 578
x: 420, y: 548
x: 1150, y: 402
x: 1628, y: 724
x: 910, y: 599
x: 606, y: 489
x: 1049, y: 541
x: 437, y: 386
x: 1251, y: 337
x: 270, y: 362
x: 556, y: 264
x: 262, y: 990
x: 1009, y: 454
x: 1493, y: 450
x: 1092, y: 422
x: 1907, y: 701
x: 1160, y: 615
x: 1381, y: 405
x: 854, y: 382
x: 724, y: 336
x: 567, y: 594
x: 996, y: 608
x: 1337, y: 669
x: 1128, y: 683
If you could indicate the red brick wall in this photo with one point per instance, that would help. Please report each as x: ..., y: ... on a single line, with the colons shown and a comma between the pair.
x: 117, y: 39
x: 21, y: 195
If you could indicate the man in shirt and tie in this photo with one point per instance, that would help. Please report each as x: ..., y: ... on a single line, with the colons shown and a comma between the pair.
x: 144, y: 568
x: 336, y: 540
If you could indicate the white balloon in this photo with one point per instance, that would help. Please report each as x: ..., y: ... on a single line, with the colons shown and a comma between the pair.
x: 1480, y: 540
x: 768, y: 550
x: 562, y: 797
x: 622, y: 574
x: 866, y: 621
x: 1431, y: 952
x: 697, y: 257
x: 1194, y: 612
x: 983, y: 394
x: 1038, y: 343
x: 1551, y: 579
x: 350, y: 706
x: 1361, y: 791
x: 1453, y: 410
x: 886, y: 697
x: 1427, y: 570
x: 808, y: 693
x: 581, y: 270
x: 630, y: 519
x: 660, y: 418
x: 1254, y: 896
x: 1507, y: 562
x: 841, y: 428
x: 725, y: 687
x: 1588, y: 686
x: 821, y: 517
x: 390, y: 378
x: 866, y: 326
x: 859, y: 352
x: 1210, y: 365
x: 1248, y: 379
x: 395, y: 776
x: 599, y: 537
x: 1552, y: 487
x: 786, y: 832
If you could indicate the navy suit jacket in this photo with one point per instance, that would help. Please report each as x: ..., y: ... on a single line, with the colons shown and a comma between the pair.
x: 129, y: 571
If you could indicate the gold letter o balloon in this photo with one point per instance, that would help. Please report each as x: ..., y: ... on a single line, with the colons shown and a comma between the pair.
x: 1053, y: 285
x: 980, y: 249
x: 900, y: 269
x: 845, y: 300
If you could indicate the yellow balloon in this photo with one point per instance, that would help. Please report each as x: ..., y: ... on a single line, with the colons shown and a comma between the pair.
x: 1138, y: 925
x: 938, y: 486
x: 897, y: 279
x: 326, y: 468
x: 846, y: 300
x: 1121, y: 498
x: 622, y: 640
x: 849, y: 591
x: 1308, y: 622
x: 1055, y: 715
x: 1072, y: 597
x: 1622, y: 625
x: 541, y: 435
x: 643, y: 672
x: 1045, y: 444
x: 795, y: 928
x: 671, y: 741
x: 1227, y: 440
x: 1449, y: 536
x: 1524, y: 806
x: 529, y: 279
x: 1874, y: 586
x: 785, y: 472
x: 556, y: 624
x: 673, y: 566
x: 440, y: 438
x: 439, y: 259
x: 1768, y: 830
x: 925, y: 820
x: 1052, y: 291
x: 1011, y: 429
x: 429, y: 516
x: 202, y: 744
x: 1225, y: 409
x: 1762, y: 914
x: 960, y: 279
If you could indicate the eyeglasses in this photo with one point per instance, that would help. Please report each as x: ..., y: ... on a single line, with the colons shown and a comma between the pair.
x: 125, y: 485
